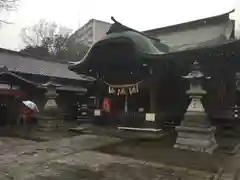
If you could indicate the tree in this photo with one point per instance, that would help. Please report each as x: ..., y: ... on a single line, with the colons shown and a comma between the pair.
x: 50, y: 39
x: 7, y: 5
x: 40, y: 51
x: 40, y: 33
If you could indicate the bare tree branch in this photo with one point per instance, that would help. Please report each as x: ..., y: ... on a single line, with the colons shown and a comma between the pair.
x: 49, y: 39
x: 5, y: 22
x: 39, y: 34
x: 6, y: 6
x: 29, y: 38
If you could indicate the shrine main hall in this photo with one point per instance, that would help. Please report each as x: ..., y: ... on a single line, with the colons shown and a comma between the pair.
x: 139, y: 73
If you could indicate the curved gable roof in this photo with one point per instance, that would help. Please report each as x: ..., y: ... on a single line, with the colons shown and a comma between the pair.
x: 191, y: 24
x: 147, y: 44
x: 143, y: 44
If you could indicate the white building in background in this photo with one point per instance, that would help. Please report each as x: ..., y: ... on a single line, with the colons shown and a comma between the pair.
x: 210, y: 30
x: 91, y: 32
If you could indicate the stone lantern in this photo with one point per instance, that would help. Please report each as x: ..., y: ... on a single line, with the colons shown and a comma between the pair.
x: 195, y: 132
x: 51, y: 95
x: 237, y: 77
x: 51, y: 115
x: 236, y: 107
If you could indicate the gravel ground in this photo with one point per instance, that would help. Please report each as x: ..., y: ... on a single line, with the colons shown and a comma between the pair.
x: 90, y: 165
x: 76, y: 158
x: 7, y: 144
x: 23, y: 159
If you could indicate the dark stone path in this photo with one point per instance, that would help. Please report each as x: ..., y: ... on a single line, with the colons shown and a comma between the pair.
x: 91, y: 157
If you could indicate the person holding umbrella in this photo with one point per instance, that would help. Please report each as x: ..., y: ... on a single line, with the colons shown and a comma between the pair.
x: 28, y: 112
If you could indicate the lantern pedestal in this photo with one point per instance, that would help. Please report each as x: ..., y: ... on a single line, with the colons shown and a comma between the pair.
x: 50, y: 123
x: 196, y: 132
x: 50, y: 118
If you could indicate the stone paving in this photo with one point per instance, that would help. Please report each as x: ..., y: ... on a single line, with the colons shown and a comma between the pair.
x: 16, y: 162
x: 91, y: 165
x: 76, y: 158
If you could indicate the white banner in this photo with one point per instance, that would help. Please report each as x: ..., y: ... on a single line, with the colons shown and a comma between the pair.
x: 132, y: 89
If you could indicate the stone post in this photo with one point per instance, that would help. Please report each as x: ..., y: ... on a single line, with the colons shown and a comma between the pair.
x: 195, y: 132
x: 51, y: 115
x: 237, y: 89
x: 236, y: 108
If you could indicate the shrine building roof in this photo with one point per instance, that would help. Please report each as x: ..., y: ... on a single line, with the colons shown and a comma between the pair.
x: 143, y: 44
x: 191, y: 24
x: 7, y: 76
x: 22, y: 63
x: 148, y: 46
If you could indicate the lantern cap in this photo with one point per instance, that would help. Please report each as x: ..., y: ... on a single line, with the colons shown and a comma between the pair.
x: 192, y: 75
x: 196, y: 65
x: 51, y: 83
x: 196, y: 72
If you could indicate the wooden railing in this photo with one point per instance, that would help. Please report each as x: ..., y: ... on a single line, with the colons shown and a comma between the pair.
x: 138, y: 120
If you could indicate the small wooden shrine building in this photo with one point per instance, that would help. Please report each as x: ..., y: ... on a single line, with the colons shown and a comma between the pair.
x: 22, y: 78
x: 138, y: 73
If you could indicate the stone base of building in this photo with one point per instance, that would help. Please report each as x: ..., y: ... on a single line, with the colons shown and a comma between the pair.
x: 196, y: 139
x: 50, y: 123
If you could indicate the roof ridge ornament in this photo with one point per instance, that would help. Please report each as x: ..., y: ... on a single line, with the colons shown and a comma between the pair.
x: 131, y: 29
x: 114, y: 20
x: 51, y: 83
x: 3, y: 68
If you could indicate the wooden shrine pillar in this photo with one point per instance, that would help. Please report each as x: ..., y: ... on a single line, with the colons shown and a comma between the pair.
x: 153, y: 93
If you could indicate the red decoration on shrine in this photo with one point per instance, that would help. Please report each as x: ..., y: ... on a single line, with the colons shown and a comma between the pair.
x: 106, y: 104
x: 16, y: 93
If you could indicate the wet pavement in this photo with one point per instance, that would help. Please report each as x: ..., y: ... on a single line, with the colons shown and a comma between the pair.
x: 22, y: 160
x: 91, y: 165
x: 78, y: 158
x: 91, y: 157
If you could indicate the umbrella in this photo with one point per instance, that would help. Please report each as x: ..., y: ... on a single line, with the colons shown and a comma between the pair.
x: 31, y: 105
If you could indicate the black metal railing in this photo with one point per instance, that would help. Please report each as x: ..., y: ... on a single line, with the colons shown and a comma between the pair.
x: 138, y: 120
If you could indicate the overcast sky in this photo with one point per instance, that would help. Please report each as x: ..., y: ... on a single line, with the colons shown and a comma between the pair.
x: 140, y: 15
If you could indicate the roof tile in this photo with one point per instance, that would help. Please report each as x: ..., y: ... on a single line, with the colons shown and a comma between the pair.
x: 30, y: 65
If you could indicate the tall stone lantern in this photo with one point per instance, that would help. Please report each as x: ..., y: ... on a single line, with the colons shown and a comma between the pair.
x: 195, y: 132
x: 237, y: 77
x: 51, y: 115
x: 236, y: 108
